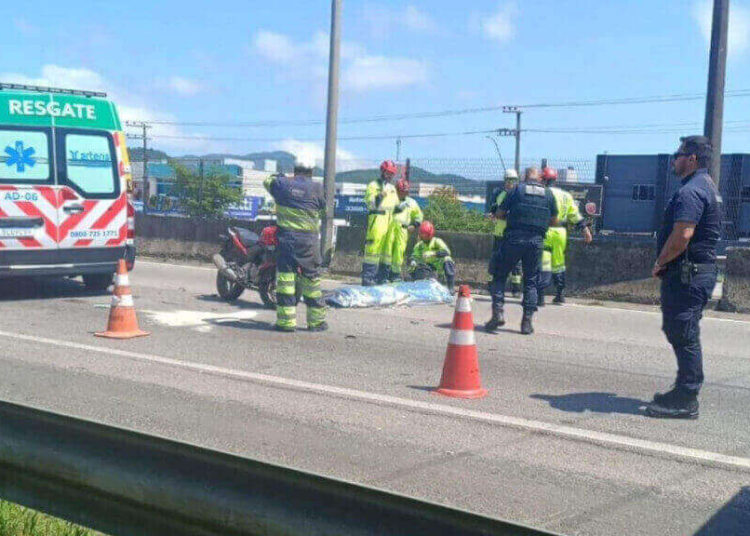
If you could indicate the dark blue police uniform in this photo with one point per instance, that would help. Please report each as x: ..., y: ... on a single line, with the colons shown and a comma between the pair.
x: 686, y: 289
x: 529, y: 208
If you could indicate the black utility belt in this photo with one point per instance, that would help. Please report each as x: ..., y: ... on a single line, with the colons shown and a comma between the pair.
x: 694, y: 267
x: 687, y: 270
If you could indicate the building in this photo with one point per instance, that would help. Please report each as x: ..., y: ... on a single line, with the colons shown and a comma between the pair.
x: 637, y: 189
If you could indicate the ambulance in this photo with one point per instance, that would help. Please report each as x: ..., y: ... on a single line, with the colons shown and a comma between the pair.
x: 65, y: 183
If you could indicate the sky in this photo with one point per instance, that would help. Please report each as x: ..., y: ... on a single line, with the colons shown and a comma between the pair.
x: 252, y: 61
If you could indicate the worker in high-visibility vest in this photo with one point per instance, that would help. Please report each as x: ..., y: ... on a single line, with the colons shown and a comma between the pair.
x: 407, y: 216
x: 381, y: 199
x: 556, y: 239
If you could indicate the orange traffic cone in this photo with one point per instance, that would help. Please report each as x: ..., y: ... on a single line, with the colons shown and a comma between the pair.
x: 461, y: 368
x: 123, y: 323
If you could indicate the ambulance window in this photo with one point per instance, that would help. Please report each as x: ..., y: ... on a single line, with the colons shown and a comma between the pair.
x: 24, y: 156
x: 89, y: 162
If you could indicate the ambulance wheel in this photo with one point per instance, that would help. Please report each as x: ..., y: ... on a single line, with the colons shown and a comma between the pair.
x: 98, y: 282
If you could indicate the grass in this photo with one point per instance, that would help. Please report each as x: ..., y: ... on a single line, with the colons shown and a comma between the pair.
x: 19, y: 521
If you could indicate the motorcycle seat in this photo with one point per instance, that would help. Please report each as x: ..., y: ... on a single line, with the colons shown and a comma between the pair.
x: 248, y: 238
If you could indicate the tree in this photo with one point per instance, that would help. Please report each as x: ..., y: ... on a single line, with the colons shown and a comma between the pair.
x: 206, y: 194
x: 446, y: 212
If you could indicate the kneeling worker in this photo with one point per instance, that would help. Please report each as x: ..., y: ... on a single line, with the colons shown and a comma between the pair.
x: 434, y: 253
x: 299, y: 205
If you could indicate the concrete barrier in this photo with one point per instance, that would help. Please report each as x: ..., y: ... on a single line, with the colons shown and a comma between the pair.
x: 609, y: 269
x: 736, y: 291
x: 172, y: 237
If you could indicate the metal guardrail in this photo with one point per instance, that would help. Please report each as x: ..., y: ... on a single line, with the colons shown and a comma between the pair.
x: 123, y: 482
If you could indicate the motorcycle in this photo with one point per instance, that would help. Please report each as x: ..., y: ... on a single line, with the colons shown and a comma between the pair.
x: 247, y: 261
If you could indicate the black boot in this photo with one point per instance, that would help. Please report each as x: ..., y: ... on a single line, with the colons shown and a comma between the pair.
x: 559, y: 298
x: 527, y: 327
x: 679, y: 403
x: 497, y: 320
x: 540, y: 299
x: 515, y: 290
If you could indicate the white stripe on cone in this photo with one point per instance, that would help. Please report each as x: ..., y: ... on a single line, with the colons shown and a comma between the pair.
x: 122, y: 280
x: 461, y: 337
x: 463, y: 305
x: 125, y: 300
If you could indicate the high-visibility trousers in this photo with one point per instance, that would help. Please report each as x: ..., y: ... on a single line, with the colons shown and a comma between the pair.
x: 556, y: 240
x: 299, y: 257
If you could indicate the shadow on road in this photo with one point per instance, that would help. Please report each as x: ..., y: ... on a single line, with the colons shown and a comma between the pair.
x: 733, y: 519
x: 26, y: 288
x: 594, y: 402
x: 256, y: 325
x: 240, y: 304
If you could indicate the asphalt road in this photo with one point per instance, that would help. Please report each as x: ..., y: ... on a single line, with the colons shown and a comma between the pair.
x: 560, y: 442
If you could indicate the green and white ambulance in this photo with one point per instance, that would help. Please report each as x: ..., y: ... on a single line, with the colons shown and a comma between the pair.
x: 64, y: 185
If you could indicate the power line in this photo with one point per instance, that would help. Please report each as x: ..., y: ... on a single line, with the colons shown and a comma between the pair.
x: 654, y: 128
x: 448, y: 113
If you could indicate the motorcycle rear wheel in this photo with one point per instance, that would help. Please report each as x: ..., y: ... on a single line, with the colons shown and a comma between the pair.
x: 267, y: 291
x: 228, y: 290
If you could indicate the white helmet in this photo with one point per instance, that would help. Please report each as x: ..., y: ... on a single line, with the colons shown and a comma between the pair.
x: 511, y: 174
x: 305, y: 160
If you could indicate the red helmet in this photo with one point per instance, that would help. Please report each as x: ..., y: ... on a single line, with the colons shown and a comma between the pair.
x: 402, y: 187
x: 268, y: 236
x: 388, y: 167
x: 549, y: 174
x: 426, y: 230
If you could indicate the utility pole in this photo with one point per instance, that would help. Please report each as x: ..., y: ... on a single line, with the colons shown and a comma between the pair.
x: 144, y: 136
x: 717, y: 67
x: 398, y: 149
x: 516, y: 110
x: 329, y: 164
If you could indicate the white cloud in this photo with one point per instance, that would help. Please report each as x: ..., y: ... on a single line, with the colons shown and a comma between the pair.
x: 380, y: 72
x: 739, y: 24
x: 181, y: 86
x: 499, y: 26
x: 361, y: 71
x: 309, y: 150
x: 383, y: 20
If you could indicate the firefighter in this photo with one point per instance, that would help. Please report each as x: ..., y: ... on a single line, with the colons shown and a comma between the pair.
x: 434, y: 253
x: 299, y: 206
x: 381, y: 199
x: 407, y: 216
x: 556, y: 239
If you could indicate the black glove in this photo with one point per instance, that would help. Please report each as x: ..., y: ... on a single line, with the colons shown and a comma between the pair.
x: 441, y: 254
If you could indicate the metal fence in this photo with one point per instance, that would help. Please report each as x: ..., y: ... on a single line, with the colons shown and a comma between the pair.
x: 123, y: 482
x: 467, y: 176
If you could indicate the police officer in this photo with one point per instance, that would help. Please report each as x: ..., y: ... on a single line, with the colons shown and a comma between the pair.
x: 510, y: 182
x: 381, y: 199
x: 529, y: 210
x: 299, y: 205
x: 686, y: 265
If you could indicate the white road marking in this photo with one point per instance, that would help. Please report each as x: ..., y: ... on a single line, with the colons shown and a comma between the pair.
x: 605, y: 439
x: 201, y: 321
x: 155, y: 263
x: 653, y: 313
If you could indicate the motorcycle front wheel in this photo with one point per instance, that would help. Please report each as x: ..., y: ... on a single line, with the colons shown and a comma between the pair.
x: 228, y: 290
